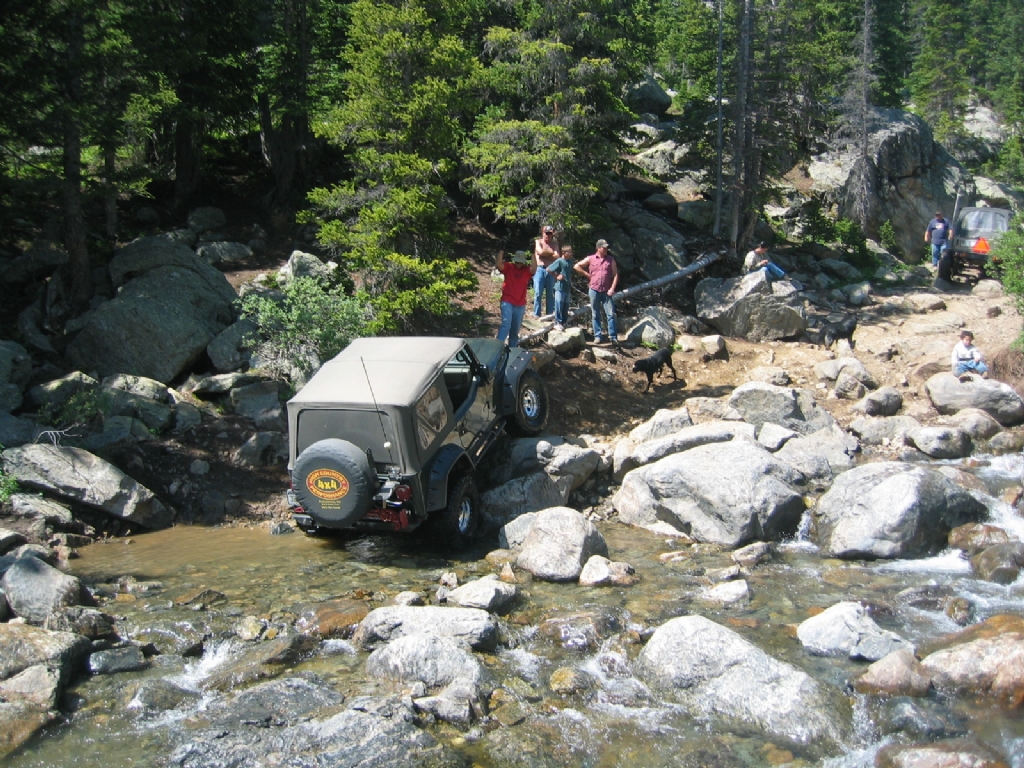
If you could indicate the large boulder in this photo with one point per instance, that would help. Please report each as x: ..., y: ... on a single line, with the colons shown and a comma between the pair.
x: 846, y: 629
x: 711, y: 670
x: 1000, y: 401
x: 559, y: 544
x: 23, y: 646
x: 430, y: 659
x: 488, y: 594
x: 80, y: 476
x: 890, y: 509
x: 684, y: 439
x: 471, y: 625
x: 751, y: 307
x: 986, y: 659
x: 161, y: 320
x: 35, y: 590
x: 532, y: 493
x: 794, y: 409
x: 727, y: 493
x: 648, y: 96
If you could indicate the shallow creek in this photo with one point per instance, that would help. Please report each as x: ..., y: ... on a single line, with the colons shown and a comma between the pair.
x: 620, y: 721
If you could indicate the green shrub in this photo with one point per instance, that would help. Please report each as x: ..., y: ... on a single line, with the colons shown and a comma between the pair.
x: 81, y: 409
x: 312, y: 324
x: 887, y: 234
x: 850, y: 235
x: 1007, y: 263
x: 8, y: 485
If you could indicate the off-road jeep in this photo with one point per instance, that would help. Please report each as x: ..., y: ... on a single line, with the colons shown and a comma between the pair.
x: 387, y: 435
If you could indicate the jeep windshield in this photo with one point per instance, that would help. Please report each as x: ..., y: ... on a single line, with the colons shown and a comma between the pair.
x: 977, y: 221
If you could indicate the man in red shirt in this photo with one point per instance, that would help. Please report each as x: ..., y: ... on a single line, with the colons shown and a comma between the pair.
x: 517, y: 274
x: 603, y: 273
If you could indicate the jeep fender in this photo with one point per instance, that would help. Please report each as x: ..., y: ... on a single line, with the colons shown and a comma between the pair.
x: 517, y: 363
x: 450, y: 457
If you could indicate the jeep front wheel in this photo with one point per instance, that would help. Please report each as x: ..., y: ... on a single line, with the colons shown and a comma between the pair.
x: 531, y: 414
x: 455, y: 525
x: 334, y: 483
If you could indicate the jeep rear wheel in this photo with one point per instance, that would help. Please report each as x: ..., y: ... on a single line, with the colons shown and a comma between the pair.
x: 531, y: 414
x: 454, y: 526
x: 334, y: 483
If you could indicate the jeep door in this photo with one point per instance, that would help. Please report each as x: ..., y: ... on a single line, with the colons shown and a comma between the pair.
x: 471, y: 389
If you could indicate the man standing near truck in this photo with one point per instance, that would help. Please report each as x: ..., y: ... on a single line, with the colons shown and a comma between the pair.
x: 938, y: 235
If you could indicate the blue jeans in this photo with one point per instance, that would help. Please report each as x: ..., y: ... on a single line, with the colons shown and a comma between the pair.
x: 561, y: 307
x: 937, y: 249
x: 970, y: 366
x: 774, y: 271
x: 601, y: 300
x: 543, y: 285
x: 511, y: 322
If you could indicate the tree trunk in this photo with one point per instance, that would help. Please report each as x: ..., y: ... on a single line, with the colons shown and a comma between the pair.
x: 110, y: 191
x: 74, y: 224
x: 741, y: 140
x: 188, y: 145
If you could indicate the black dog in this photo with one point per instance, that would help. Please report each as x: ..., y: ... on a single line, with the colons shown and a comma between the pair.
x: 653, y: 364
x: 832, y: 332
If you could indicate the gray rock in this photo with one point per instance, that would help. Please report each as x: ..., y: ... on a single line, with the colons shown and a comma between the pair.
x: 599, y: 571
x: 687, y: 438
x: 34, y: 505
x: 487, y: 593
x: 38, y: 686
x: 846, y: 629
x: 941, y: 442
x: 153, y: 698
x: 568, y: 342
x: 206, y: 219
x: 260, y: 661
x: 55, y: 394
x: 223, y: 252
x: 301, y: 264
x: 127, y: 658
x: 560, y: 541
x: 664, y: 422
x: 35, y: 590
x: 711, y: 670
x: 23, y: 646
x: 430, y: 659
x: 770, y: 374
x: 571, y: 462
x: 15, y: 365
x: 15, y: 431
x: 821, y: 455
x: 471, y: 625
x: 648, y: 96
x: 773, y: 437
x: 791, y: 408
x: 976, y: 423
x: 229, y: 350
x: 874, y: 430
x: 890, y: 510
x: 653, y: 327
x: 532, y: 493
x: 1006, y: 442
x: 513, y: 533
x: 998, y: 400
x: 830, y: 370
x: 885, y: 401
x: 260, y: 402
x: 727, y: 493
x: 80, y: 476
x: 9, y: 540
x: 81, y: 620
x: 727, y: 593
x: 161, y: 321
x: 754, y: 554
x: 172, y: 638
x: 714, y: 347
x: 264, y: 449
x: 848, y: 388
x: 139, y: 386
x: 750, y: 307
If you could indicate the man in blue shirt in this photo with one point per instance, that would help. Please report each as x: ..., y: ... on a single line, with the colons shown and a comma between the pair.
x: 938, y: 235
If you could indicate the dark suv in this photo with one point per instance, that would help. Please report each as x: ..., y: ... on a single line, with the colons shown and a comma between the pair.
x: 975, y: 232
x: 387, y: 435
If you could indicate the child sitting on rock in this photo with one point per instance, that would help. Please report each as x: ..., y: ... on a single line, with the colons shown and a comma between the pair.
x: 967, y: 358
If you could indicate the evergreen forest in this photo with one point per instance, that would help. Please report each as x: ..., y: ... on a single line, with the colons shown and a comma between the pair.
x: 379, y: 121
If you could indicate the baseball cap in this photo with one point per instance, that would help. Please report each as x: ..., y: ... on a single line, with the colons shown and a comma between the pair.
x: 549, y: 229
x: 603, y: 244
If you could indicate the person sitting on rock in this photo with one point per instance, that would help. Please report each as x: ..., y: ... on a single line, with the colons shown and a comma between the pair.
x: 758, y: 259
x: 967, y: 358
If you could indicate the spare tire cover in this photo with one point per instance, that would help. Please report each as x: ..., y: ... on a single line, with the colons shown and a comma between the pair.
x: 334, y: 482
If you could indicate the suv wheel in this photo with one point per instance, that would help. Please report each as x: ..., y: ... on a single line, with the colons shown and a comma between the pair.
x: 456, y: 523
x: 334, y: 483
x: 531, y: 414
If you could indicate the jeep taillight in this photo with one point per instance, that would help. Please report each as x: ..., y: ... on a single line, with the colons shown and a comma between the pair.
x: 981, y: 246
x: 402, y: 493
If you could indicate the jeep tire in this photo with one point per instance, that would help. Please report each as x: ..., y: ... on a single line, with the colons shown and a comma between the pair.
x: 531, y: 413
x: 334, y: 483
x: 454, y: 526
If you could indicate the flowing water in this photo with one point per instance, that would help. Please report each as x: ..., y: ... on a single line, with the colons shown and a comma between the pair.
x: 619, y: 721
